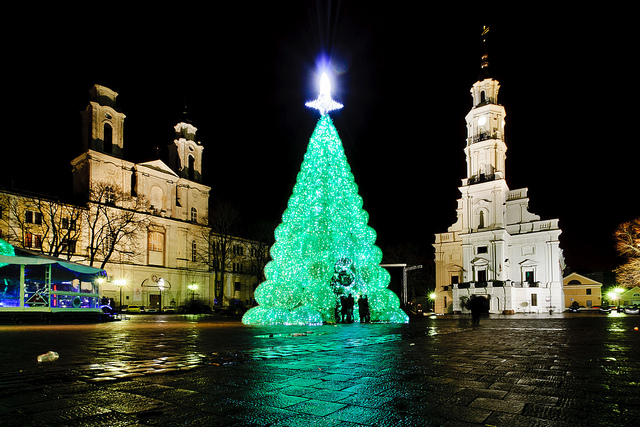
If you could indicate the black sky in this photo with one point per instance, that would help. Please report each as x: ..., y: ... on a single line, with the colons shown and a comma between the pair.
x: 403, y: 74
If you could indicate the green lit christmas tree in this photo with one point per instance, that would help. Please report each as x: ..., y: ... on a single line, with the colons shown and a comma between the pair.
x: 324, y: 249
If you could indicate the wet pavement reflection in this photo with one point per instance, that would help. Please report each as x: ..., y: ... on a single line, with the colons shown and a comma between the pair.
x: 208, y: 370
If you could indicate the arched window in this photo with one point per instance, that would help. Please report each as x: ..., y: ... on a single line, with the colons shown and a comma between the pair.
x: 194, y: 215
x: 192, y: 168
x: 108, y: 138
x: 194, y: 251
x: 481, y: 220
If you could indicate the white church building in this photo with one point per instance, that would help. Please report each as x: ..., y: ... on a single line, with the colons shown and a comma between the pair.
x: 497, y: 250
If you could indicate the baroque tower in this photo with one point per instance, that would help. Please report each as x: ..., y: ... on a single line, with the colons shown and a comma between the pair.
x: 102, y: 122
x: 185, y: 154
x: 497, y: 250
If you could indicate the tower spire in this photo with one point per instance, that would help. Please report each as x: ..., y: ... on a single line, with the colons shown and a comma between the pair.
x: 484, y: 64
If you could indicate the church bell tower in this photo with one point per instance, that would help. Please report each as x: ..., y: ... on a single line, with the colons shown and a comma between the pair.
x: 486, y: 149
x: 103, y: 123
x: 185, y: 154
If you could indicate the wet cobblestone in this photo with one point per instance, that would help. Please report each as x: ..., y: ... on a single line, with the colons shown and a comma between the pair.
x: 156, y: 370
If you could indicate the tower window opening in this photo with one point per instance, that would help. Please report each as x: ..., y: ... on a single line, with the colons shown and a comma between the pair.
x: 108, y: 138
x: 192, y: 168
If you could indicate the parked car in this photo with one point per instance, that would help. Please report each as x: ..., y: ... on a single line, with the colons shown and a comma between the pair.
x: 168, y: 309
x: 631, y: 309
x: 151, y: 310
x: 574, y: 307
x: 605, y: 308
x: 135, y: 309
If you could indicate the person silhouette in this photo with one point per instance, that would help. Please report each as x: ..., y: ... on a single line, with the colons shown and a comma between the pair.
x: 475, y: 305
x: 363, y: 309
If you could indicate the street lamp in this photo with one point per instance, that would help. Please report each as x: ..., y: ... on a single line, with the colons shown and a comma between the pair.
x: 432, y: 297
x: 161, y: 286
x: 193, y: 287
x: 120, y: 283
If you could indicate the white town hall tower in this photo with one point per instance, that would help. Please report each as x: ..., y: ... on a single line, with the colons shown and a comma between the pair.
x: 497, y: 250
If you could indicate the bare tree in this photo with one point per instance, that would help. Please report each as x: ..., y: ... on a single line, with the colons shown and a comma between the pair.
x: 61, y: 225
x: 628, y: 245
x: 46, y: 225
x: 262, y: 238
x: 224, y: 220
x: 114, y: 220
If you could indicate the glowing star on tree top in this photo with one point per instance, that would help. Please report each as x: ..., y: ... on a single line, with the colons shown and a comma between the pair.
x: 324, y: 103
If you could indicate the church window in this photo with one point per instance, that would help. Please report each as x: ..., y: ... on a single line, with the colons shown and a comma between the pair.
x: 454, y: 280
x: 156, y: 241
x: 109, y: 196
x: 194, y: 215
x: 68, y: 246
x: 192, y: 167
x: 483, y: 249
x: 108, y: 138
x: 194, y: 251
x: 28, y: 240
x: 134, y: 183
x: 529, y: 277
x: 481, y: 220
x: 482, y: 275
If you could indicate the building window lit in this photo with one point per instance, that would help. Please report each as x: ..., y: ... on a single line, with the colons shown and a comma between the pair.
x: 156, y: 241
x: 28, y: 240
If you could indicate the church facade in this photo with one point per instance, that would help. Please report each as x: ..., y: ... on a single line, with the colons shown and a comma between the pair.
x: 145, y: 223
x: 497, y: 250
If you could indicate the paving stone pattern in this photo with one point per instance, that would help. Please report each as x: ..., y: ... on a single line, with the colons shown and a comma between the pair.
x: 509, y: 371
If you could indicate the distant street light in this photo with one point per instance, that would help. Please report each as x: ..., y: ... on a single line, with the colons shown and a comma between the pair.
x: 432, y: 297
x: 193, y: 287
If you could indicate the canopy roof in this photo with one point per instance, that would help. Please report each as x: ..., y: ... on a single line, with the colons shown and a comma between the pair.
x: 27, y: 257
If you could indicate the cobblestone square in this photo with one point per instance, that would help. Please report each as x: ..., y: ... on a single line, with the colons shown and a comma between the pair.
x: 551, y: 370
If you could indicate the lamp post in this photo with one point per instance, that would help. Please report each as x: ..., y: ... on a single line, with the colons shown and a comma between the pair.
x: 161, y: 287
x: 120, y: 283
x: 432, y: 297
x: 193, y: 287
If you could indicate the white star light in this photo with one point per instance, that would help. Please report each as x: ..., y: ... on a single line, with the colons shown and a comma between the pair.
x: 324, y: 103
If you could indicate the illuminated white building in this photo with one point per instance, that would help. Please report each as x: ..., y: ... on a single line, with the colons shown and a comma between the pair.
x: 497, y: 249
x: 170, y: 252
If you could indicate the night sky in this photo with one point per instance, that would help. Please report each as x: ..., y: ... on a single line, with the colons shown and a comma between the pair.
x: 403, y: 75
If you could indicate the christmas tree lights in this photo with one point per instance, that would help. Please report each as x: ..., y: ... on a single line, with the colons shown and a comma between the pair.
x: 324, y: 248
x: 7, y: 250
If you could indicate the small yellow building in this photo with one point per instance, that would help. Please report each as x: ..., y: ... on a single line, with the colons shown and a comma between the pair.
x: 586, y: 291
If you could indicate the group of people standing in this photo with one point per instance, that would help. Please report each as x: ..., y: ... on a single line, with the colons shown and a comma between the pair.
x: 346, y: 309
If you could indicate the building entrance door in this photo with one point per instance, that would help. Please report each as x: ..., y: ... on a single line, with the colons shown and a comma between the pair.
x: 154, y: 301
